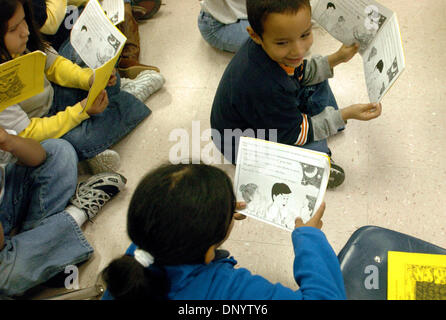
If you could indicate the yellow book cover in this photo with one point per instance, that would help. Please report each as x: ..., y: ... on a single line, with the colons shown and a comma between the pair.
x: 101, y: 76
x: 416, y: 276
x: 99, y: 43
x: 21, y: 78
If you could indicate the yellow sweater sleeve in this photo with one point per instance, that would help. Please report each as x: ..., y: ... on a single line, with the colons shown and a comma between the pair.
x: 68, y: 74
x: 55, y: 11
x: 56, y: 126
x: 77, y: 3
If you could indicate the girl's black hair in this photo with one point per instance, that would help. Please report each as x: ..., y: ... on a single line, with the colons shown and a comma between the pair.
x: 176, y: 213
x: 258, y: 10
x: 7, y: 10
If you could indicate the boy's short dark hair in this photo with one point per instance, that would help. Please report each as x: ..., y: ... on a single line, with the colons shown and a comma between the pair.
x: 279, y: 188
x: 258, y: 10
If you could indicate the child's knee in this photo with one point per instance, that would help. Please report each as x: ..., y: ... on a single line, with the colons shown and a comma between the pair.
x: 61, y: 152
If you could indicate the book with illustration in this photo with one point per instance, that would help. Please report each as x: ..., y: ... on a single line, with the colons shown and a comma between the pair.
x: 377, y: 31
x: 21, y: 78
x: 98, y: 41
x: 279, y: 182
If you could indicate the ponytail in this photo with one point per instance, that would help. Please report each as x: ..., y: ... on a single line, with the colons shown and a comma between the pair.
x: 176, y: 214
x: 127, y: 279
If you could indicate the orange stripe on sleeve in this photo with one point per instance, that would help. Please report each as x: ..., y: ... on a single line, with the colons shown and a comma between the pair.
x: 303, y: 131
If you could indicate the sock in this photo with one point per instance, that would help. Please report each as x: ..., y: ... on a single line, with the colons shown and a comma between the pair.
x: 78, y: 214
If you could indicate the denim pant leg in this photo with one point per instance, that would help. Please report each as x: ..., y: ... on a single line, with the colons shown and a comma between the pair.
x: 33, y: 194
x: 227, y: 37
x: 317, y: 98
x: 101, y: 131
x: 35, y: 256
x: 48, y: 238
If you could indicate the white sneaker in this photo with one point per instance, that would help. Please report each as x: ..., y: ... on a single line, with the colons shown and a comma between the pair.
x: 91, y: 195
x: 145, y: 84
x: 106, y: 161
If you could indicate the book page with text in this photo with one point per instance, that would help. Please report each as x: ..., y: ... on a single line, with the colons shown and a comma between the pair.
x: 94, y: 37
x: 114, y: 9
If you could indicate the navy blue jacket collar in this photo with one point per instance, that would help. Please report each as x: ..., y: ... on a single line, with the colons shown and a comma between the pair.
x: 257, y: 55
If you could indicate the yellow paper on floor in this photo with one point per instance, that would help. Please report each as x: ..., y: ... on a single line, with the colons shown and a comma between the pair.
x: 416, y: 276
x: 21, y: 78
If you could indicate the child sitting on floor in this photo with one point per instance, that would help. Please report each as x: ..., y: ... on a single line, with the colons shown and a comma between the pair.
x: 271, y: 92
x: 176, y: 221
x: 58, y: 112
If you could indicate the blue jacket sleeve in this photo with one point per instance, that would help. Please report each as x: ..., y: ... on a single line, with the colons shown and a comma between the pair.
x: 316, y: 267
x: 316, y: 271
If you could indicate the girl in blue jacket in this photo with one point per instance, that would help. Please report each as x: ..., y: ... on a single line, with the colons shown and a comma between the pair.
x: 178, y: 216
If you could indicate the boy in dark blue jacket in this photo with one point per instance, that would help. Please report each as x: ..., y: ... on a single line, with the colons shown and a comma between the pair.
x: 269, y: 91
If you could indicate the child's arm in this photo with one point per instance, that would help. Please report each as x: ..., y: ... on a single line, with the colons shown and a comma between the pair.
x: 344, y: 54
x: 66, y: 73
x: 320, y: 68
x: 316, y: 271
x: 364, y: 112
x: 55, y: 10
x: 312, y: 249
x: 329, y: 121
x: 56, y: 126
x: 27, y: 151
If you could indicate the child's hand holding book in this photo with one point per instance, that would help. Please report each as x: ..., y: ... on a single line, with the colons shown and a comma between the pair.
x: 363, y: 112
x: 99, y: 104
x: 344, y: 54
x: 111, y: 81
x: 315, y: 221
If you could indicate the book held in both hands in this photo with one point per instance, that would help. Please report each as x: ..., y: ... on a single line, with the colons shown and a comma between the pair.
x: 98, y: 42
x: 94, y: 37
x: 279, y: 182
x: 376, y: 29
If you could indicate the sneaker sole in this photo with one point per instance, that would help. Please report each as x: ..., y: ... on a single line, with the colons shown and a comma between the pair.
x: 109, y: 162
x: 337, y: 176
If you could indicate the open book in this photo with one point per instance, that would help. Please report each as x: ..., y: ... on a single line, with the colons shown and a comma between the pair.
x: 21, y: 78
x: 416, y: 276
x: 376, y: 29
x: 279, y: 182
x: 98, y: 42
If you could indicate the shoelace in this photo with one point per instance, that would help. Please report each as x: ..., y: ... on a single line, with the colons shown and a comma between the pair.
x: 90, y: 199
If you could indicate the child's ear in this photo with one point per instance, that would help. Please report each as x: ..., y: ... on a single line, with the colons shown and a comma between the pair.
x: 254, y: 36
x: 210, y: 254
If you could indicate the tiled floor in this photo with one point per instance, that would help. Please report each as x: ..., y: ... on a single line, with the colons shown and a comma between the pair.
x: 394, y: 164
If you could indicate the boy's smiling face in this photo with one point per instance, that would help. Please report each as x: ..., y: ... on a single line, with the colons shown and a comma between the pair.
x: 287, y: 37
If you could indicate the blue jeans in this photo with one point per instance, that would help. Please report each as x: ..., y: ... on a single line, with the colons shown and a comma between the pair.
x: 316, y: 98
x: 99, y: 132
x: 48, y: 238
x: 227, y: 37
